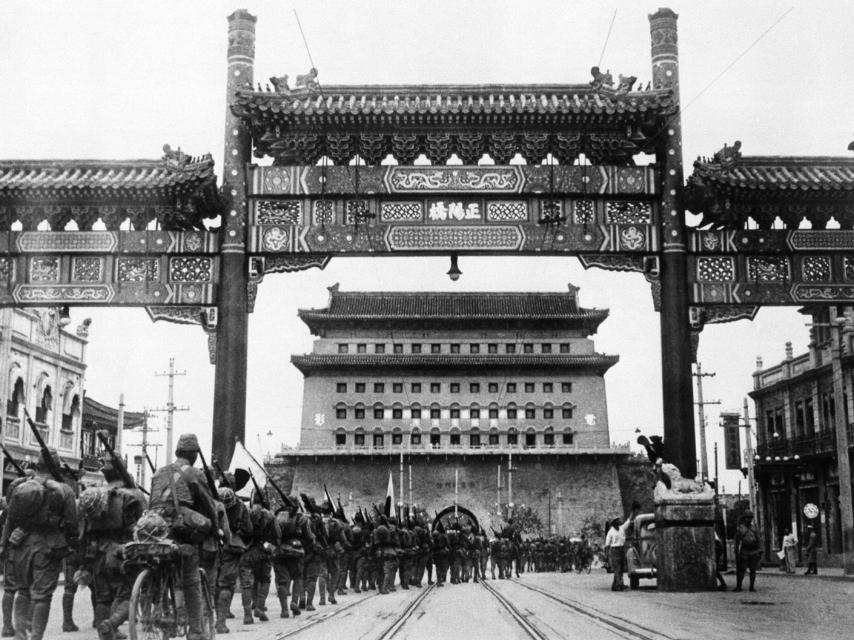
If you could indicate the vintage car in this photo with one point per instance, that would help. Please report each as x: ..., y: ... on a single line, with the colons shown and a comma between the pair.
x: 641, y: 543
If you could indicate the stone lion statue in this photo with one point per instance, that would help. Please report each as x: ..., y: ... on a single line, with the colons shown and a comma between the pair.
x: 672, y: 486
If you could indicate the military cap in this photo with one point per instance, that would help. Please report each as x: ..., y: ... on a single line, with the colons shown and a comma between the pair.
x: 188, y: 442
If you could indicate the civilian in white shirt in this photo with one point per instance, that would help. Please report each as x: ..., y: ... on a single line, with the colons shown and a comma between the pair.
x: 615, y: 547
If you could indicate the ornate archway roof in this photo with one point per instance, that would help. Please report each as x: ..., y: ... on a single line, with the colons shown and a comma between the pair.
x: 182, y: 189
x: 729, y: 188
x: 340, y: 121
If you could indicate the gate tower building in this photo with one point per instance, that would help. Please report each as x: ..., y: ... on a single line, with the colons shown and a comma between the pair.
x: 456, y: 383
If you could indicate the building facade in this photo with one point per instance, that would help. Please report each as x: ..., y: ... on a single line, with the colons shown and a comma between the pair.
x: 795, y: 460
x: 42, y: 372
x: 486, y: 398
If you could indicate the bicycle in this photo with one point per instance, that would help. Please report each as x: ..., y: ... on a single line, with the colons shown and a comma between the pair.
x: 157, y: 609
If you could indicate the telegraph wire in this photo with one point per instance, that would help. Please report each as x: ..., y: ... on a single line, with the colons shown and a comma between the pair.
x: 607, y: 37
x: 305, y: 42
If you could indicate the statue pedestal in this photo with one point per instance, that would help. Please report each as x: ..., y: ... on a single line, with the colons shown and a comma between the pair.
x: 686, y: 544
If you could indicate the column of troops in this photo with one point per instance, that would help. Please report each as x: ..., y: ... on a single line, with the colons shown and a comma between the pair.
x: 304, y: 549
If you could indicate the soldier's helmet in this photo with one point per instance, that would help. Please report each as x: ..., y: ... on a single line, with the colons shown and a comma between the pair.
x: 326, y: 507
x: 93, y: 503
x: 150, y: 527
x: 227, y: 496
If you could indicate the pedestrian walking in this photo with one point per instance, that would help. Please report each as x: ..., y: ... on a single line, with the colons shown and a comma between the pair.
x: 790, y: 550
x: 811, y: 550
x: 747, y: 551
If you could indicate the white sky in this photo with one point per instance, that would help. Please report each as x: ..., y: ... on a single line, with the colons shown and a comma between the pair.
x: 118, y: 80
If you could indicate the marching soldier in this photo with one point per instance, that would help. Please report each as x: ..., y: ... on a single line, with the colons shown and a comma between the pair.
x: 109, y: 515
x: 180, y: 494
x: 422, y: 557
x: 40, y: 530
x: 384, y: 550
x: 240, y: 525
x: 315, y: 555
x: 360, y: 542
x: 440, y: 550
x: 328, y: 576
x: 256, y: 565
x: 289, y: 558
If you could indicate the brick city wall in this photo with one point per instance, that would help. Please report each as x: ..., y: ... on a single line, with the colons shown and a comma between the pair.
x: 581, y: 487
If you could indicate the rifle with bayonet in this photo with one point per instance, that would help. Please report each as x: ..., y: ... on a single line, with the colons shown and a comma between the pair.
x: 48, y: 459
x: 18, y: 469
x: 285, y: 500
x: 223, y: 477
x: 118, y: 463
x: 261, y: 493
x: 208, y: 475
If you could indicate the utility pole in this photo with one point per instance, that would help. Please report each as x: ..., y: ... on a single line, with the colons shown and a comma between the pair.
x: 751, y: 482
x: 701, y: 417
x: 510, y: 484
x: 170, y: 408
x: 144, y: 447
x: 843, y: 463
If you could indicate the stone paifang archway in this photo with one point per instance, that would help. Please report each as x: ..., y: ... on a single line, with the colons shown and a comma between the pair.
x: 589, y: 200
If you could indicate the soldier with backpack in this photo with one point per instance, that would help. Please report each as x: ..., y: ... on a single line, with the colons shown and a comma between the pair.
x: 240, y: 525
x: 289, y: 557
x: 41, y: 529
x: 180, y: 495
x: 747, y: 551
x: 109, y: 514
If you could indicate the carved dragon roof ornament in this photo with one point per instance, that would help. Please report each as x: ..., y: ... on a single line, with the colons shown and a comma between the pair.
x: 306, y: 84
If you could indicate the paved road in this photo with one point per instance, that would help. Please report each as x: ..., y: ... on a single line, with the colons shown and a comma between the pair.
x: 559, y: 606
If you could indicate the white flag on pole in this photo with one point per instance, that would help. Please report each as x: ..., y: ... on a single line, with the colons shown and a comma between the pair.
x: 389, y: 497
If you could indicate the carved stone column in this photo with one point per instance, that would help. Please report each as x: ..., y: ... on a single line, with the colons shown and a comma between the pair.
x: 686, y: 545
x: 680, y: 446
x: 229, y: 419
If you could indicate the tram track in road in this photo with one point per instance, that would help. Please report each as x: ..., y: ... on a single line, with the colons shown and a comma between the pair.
x: 520, y: 618
x: 622, y: 627
x: 392, y: 630
x: 321, y: 617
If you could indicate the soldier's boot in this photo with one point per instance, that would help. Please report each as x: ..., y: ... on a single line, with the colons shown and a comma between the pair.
x: 106, y: 631
x: 8, y: 601
x: 296, y: 590
x: 246, y: 599
x: 41, y: 611
x: 309, y: 596
x: 67, y: 612
x: 222, y: 603
x: 321, y: 591
x: 332, y: 599
x: 193, y: 604
x: 21, y: 615
x: 102, y: 613
x: 261, y: 593
x: 282, y: 592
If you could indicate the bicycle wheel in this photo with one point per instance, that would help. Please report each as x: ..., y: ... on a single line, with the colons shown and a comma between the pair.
x: 208, y: 617
x: 150, y: 608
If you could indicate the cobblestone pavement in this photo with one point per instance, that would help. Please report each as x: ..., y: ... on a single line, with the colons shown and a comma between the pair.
x: 547, y: 605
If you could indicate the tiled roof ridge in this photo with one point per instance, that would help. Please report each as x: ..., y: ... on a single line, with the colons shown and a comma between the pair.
x: 130, y: 416
x: 425, y: 88
x: 94, y: 163
x: 776, y: 160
